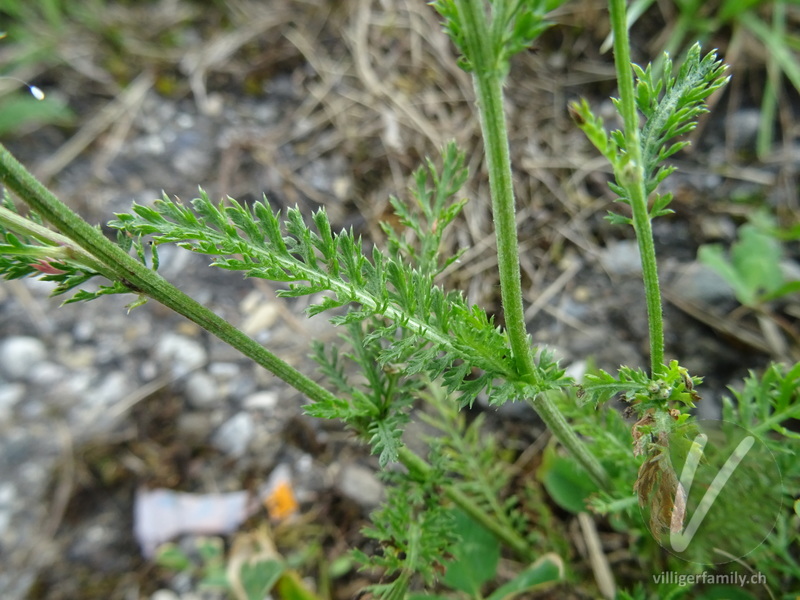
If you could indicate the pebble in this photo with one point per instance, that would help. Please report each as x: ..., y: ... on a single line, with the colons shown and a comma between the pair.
x: 234, y: 435
x: 10, y: 395
x: 182, y: 353
x: 790, y: 270
x: 7, y: 496
x: 164, y: 595
x: 700, y: 283
x: 266, y: 400
x: 111, y: 389
x: 360, y: 485
x: 194, y: 427
x: 19, y: 355
x: 224, y: 370
x: 202, y: 391
x: 46, y: 373
x: 621, y: 258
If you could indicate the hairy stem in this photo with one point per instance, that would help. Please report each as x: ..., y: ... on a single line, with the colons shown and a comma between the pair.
x: 632, y: 179
x: 488, y: 82
x: 557, y: 424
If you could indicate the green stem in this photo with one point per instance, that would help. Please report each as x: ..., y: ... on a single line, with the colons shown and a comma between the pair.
x: 560, y: 428
x: 119, y: 265
x: 488, y: 81
x: 631, y: 177
x: 56, y: 246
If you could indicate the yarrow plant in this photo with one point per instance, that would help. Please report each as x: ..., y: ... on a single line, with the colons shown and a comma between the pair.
x: 412, y: 339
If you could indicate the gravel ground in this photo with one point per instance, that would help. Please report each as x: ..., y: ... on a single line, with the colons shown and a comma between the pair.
x: 96, y: 402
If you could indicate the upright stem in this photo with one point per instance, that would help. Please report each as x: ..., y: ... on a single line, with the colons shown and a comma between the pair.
x: 488, y: 80
x: 631, y: 178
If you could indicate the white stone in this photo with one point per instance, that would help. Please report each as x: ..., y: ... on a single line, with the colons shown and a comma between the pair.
x: 360, y: 484
x: 10, y: 395
x: 622, y: 258
x: 234, y: 435
x: 19, y: 355
x: 262, y: 401
x: 201, y: 390
x: 181, y: 353
x: 165, y: 595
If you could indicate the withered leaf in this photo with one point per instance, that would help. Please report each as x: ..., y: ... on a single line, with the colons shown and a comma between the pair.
x: 659, y: 490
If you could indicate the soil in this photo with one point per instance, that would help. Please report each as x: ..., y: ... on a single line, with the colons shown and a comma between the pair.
x: 329, y: 105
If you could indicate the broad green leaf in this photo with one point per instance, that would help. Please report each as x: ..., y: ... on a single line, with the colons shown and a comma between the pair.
x: 258, y: 578
x: 548, y: 569
x: 725, y: 592
x: 170, y: 556
x: 713, y: 255
x: 756, y: 256
x: 567, y: 483
x: 475, y: 556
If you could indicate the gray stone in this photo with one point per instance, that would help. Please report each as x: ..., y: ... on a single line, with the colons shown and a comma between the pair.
x: 621, y: 258
x: 264, y: 400
x: 234, y: 435
x: 181, y: 353
x: 360, y: 485
x: 10, y: 395
x: 700, y: 283
x: 790, y: 270
x: 164, y: 595
x: 202, y: 391
x: 8, y: 495
x: 110, y: 390
x: 20, y: 355
x: 46, y: 374
x: 194, y: 427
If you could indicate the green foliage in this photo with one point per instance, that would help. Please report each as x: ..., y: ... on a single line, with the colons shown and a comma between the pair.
x: 36, y: 251
x: 509, y: 27
x: 430, y: 213
x: 416, y: 534
x: 30, y: 34
x: 474, y: 562
x: 377, y: 410
x: 259, y: 578
x: 475, y: 556
x: 466, y: 448
x: 207, y: 562
x: 547, y: 569
x: 765, y: 403
x: 766, y: 23
x: 443, y: 337
x: 253, y: 578
x: 670, y: 384
x: 611, y: 439
x: 565, y: 481
x: 753, y: 266
x: 671, y: 105
x: 19, y: 110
